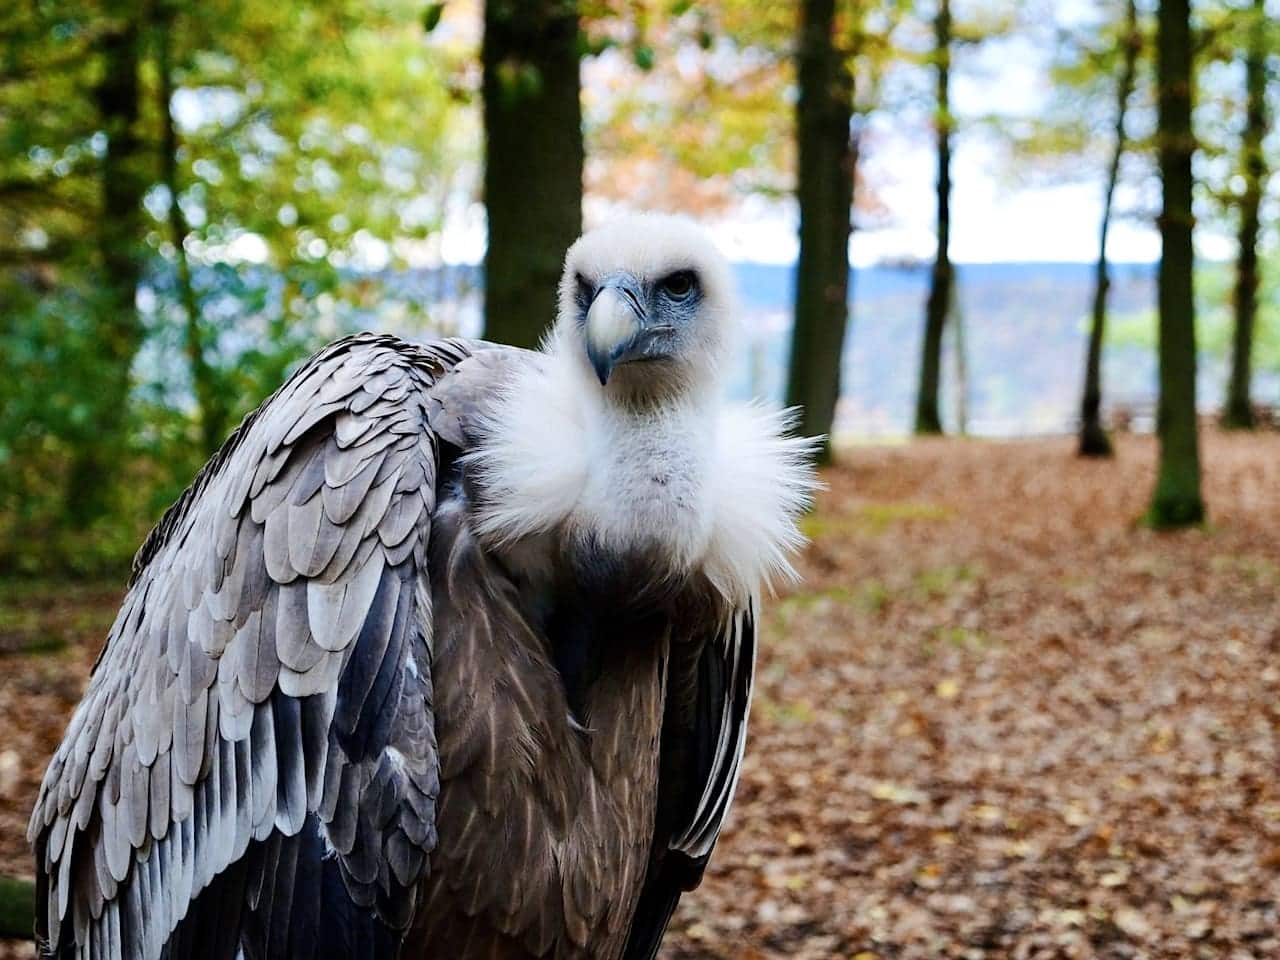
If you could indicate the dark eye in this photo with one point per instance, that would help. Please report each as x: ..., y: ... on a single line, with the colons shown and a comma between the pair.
x: 679, y: 284
x: 585, y: 289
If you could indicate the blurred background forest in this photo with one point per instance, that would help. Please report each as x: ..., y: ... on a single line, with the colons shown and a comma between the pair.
x: 1014, y: 219
x: 193, y: 197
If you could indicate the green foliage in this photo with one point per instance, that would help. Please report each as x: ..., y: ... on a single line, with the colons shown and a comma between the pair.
x: 316, y: 145
x: 1077, y: 123
x: 17, y: 908
x: 313, y: 145
x: 697, y: 101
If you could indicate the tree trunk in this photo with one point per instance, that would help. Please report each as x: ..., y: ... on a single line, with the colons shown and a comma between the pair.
x: 17, y: 909
x: 824, y: 188
x: 938, y: 306
x: 1094, y: 441
x: 120, y: 229
x: 211, y: 408
x: 1176, y: 501
x: 1238, y: 410
x: 533, y: 169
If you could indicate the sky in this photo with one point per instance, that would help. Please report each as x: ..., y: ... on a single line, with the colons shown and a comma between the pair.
x: 993, y: 219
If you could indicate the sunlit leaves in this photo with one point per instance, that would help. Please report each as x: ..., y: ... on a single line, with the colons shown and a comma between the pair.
x: 316, y: 143
x: 696, y: 112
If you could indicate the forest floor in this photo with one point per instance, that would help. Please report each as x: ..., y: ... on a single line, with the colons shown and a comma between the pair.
x: 998, y: 718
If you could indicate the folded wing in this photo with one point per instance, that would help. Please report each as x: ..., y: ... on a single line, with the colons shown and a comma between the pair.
x: 254, y: 765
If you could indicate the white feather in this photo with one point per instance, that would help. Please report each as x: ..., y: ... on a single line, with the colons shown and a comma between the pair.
x: 711, y: 487
x: 762, y: 482
x: 534, y: 462
x: 719, y: 489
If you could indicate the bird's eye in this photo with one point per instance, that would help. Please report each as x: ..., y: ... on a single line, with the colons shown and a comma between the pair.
x: 679, y: 284
x: 585, y: 289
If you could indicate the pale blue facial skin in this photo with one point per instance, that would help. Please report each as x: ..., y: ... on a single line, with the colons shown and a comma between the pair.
x: 665, y: 310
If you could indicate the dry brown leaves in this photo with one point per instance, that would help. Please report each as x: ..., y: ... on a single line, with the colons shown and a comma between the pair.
x: 1000, y: 720
x: 997, y: 720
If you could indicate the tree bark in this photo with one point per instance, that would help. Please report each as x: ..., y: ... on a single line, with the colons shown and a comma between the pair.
x: 1094, y: 441
x: 928, y: 419
x: 17, y: 909
x: 533, y: 169
x: 120, y: 229
x: 1176, y: 500
x: 211, y: 407
x: 1238, y: 410
x: 824, y: 189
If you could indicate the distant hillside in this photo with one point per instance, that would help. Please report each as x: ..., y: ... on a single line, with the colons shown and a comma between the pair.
x: 1024, y: 326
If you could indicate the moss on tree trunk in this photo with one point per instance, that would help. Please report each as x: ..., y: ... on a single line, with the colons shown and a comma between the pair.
x: 120, y: 229
x: 825, y: 193
x: 534, y: 158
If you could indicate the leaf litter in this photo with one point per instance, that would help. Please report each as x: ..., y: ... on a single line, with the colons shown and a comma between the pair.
x: 998, y: 718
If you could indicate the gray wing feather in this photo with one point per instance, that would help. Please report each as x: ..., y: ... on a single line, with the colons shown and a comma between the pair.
x: 250, y: 679
x: 735, y: 644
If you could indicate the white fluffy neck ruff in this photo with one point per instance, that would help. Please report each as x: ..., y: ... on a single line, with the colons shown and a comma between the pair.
x: 713, y: 489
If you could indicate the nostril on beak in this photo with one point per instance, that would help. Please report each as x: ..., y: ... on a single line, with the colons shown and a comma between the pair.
x: 632, y: 298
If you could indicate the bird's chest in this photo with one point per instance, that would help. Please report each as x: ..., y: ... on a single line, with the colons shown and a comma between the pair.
x: 546, y: 805
x: 647, y: 497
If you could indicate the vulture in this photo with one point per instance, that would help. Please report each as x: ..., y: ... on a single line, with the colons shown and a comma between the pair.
x: 448, y: 651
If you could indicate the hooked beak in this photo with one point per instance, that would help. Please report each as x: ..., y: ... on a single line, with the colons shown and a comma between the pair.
x: 615, y: 323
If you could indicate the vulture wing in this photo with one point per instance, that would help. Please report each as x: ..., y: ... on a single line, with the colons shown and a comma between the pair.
x: 704, y: 732
x: 254, y: 765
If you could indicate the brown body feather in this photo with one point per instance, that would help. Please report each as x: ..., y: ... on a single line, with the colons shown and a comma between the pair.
x: 545, y: 826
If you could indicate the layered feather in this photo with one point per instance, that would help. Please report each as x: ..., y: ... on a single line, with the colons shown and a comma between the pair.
x: 259, y: 675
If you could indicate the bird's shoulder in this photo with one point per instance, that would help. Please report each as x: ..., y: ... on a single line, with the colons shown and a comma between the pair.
x: 464, y: 401
x: 351, y: 389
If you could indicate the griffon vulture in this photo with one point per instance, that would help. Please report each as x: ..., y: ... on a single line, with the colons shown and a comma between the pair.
x: 446, y: 653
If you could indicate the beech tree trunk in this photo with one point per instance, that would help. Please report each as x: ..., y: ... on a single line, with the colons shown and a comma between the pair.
x: 928, y: 419
x: 1094, y: 441
x: 534, y: 158
x: 1176, y: 501
x: 1237, y: 412
x: 827, y: 156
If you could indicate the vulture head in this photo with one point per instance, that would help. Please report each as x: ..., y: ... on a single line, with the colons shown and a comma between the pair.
x: 645, y: 303
x: 619, y: 437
